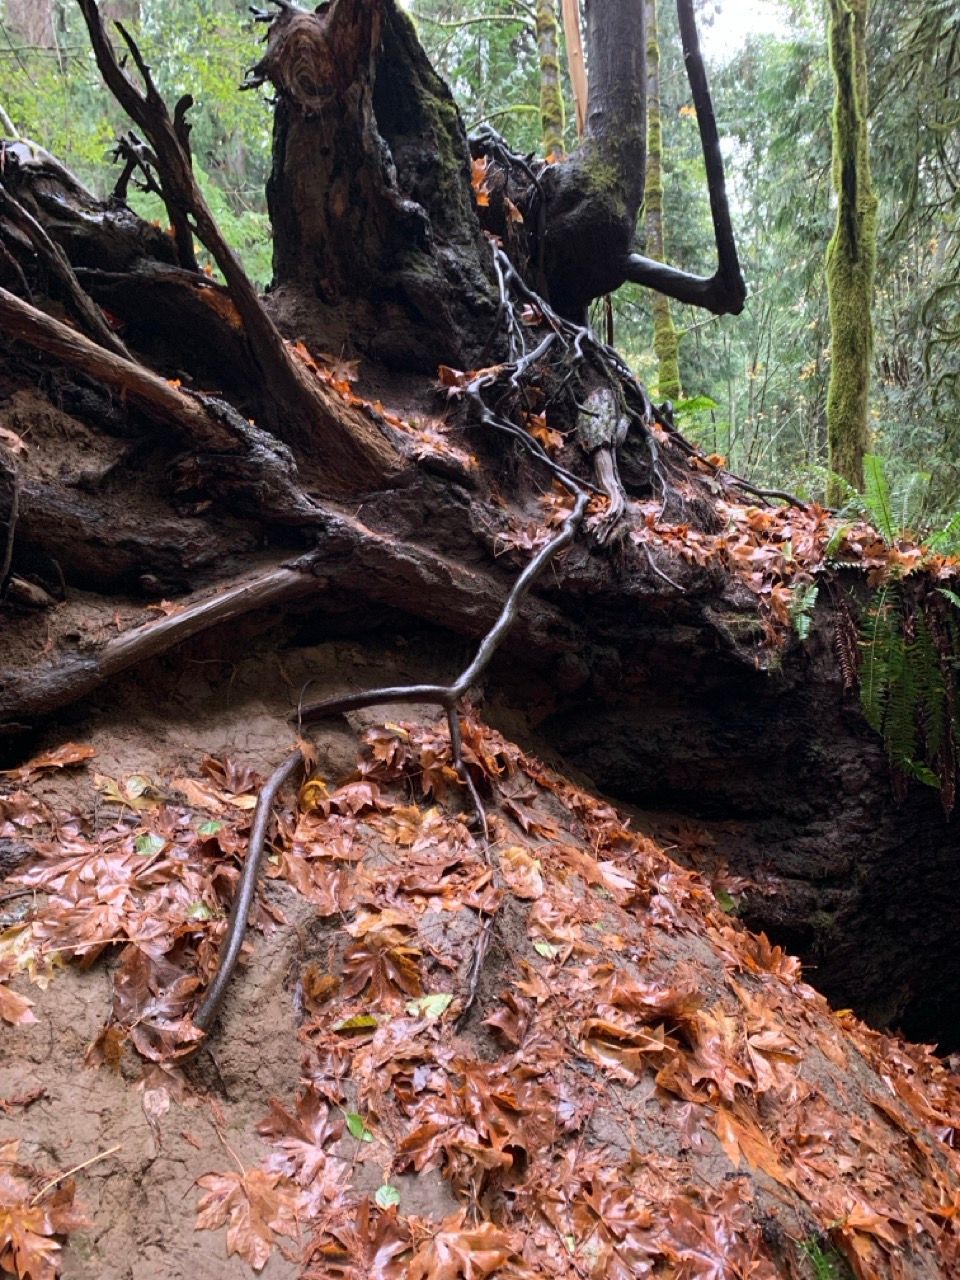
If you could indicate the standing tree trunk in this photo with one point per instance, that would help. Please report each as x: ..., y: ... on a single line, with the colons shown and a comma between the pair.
x: 851, y: 256
x: 551, y: 95
x: 575, y: 61
x: 666, y: 340
x: 32, y: 21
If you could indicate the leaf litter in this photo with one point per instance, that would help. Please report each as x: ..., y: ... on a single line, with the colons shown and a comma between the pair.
x: 642, y: 1088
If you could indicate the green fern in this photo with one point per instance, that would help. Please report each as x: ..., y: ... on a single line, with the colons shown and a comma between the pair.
x: 802, y: 600
x: 946, y: 541
x: 908, y: 683
x: 876, y: 497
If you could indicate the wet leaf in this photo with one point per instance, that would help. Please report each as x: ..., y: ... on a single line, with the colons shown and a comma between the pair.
x: 29, y: 1226
x: 136, y: 792
x: 432, y: 1006
x: 15, y: 1009
x: 458, y: 1253
x: 149, y: 844
x: 388, y: 967
x: 71, y: 753
x: 521, y: 872
x: 256, y: 1206
x: 387, y: 1196
x: 303, y: 1139
x: 356, y: 1127
x: 546, y: 949
x: 359, y: 1022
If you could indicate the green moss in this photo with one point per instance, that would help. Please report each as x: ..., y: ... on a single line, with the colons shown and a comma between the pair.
x: 601, y: 176
x: 551, y: 93
x: 851, y: 255
x: 666, y: 340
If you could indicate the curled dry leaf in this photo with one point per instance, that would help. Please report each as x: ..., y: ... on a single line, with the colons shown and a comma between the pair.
x: 71, y: 753
x: 521, y: 872
x: 15, y: 1009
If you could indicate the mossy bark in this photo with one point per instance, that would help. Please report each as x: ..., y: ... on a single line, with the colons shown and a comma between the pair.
x: 551, y: 95
x: 851, y: 256
x: 666, y: 340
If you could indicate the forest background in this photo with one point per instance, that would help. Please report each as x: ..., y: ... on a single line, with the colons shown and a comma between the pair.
x: 754, y: 386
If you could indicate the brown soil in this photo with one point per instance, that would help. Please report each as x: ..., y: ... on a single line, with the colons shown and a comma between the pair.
x: 141, y: 1199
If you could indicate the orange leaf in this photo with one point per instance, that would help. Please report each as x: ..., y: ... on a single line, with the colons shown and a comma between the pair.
x: 61, y: 758
x: 255, y: 1205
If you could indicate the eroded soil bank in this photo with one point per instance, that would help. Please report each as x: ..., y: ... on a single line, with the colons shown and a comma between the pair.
x: 761, y: 1192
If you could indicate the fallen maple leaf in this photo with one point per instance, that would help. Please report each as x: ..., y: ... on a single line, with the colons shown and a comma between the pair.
x: 28, y: 1224
x: 70, y: 753
x: 303, y: 1138
x: 388, y: 967
x: 255, y: 1205
x: 15, y: 1009
x: 455, y: 1254
x: 521, y: 872
x: 478, y: 180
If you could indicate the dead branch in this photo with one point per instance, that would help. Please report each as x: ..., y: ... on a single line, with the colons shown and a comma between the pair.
x: 57, y: 263
x: 350, y: 451
x: 263, y: 474
x: 38, y: 693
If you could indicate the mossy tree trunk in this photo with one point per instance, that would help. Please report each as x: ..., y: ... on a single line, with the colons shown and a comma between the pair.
x: 551, y: 94
x: 851, y: 256
x: 666, y: 340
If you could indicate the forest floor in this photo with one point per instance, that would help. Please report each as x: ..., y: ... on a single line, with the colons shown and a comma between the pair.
x: 741, y: 1125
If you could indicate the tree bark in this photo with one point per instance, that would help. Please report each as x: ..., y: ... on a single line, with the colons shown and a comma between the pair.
x: 852, y: 253
x: 377, y: 246
x: 551, y: 94
x: 666, y: 342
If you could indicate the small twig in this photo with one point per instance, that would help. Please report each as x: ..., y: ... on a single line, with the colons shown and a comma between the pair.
x: 61, y: 1177
x: 481, y: 947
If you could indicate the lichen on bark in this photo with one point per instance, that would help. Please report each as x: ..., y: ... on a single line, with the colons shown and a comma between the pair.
x: 551, y: 94
x: 851, y: 255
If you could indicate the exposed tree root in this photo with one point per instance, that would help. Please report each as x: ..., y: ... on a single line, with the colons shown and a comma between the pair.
x: 262, y: 477
x: 350, y: 450
x: 232, y: 945
x: 10, y: 521
x: 39, y: 693
x: 58, y: 264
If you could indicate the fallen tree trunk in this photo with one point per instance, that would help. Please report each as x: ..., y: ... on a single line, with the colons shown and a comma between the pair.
x: 653, y: 649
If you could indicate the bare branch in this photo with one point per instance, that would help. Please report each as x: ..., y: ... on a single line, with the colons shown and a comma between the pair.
x: 725, y: 292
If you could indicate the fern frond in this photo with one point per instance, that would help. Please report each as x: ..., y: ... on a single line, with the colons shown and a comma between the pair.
x: 946, y: 541
x: 876, y: 496
x: 876, y: 646
x: 802, y: 600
